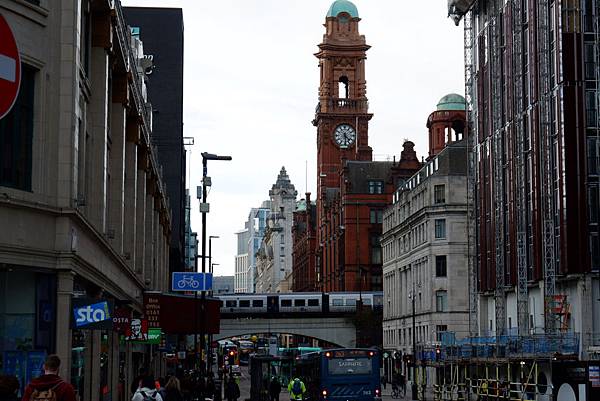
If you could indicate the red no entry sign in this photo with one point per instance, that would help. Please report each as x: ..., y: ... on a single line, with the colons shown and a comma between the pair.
x: 10, y: 68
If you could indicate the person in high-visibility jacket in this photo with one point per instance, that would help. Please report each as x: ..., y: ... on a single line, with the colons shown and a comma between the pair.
x: 296, y: 388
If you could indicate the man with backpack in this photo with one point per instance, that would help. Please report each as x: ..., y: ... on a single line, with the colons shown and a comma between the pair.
x: 49, y: 386
x: 296, y: 388
x: 147, y: 391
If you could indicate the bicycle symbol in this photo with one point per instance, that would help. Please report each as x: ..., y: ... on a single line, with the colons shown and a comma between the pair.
x: 188, y: 281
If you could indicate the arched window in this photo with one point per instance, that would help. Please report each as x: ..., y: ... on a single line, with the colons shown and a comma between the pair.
x: 343, y: 87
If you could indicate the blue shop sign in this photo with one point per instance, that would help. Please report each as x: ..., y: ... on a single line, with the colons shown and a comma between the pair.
x: 92, y: 314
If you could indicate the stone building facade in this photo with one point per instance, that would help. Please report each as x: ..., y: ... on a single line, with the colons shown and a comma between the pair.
x: 352, y: 189
x: 274, y: 257
x: 304, y: 233
x: 82, y: 201
x: 425, y: 243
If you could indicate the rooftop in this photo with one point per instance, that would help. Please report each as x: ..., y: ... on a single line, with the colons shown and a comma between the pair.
x: 452, y: 101
x: 342, y: 6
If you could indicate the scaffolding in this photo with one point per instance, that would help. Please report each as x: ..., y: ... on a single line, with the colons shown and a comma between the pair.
x: 471, y: 175
x: 544, y: 105
x: 519, y: 137
x: 497, y: 150
x: 500, y: 367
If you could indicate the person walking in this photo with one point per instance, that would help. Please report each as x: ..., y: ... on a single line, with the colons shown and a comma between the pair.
x: 209, y: 389
x: 147, y: 391
x: 232, y: 390
x: 137, y: 380
x: 173, y: 390
x: 296, y: 388
x: 274, y: 389
x: 9, y: 385
x: 49, y: 385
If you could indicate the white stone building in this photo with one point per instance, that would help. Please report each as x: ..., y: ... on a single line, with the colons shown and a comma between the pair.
x: 274, y: 258
x: 425, y: 255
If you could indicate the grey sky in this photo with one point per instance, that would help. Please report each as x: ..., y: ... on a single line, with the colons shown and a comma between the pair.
x: 251, y: 83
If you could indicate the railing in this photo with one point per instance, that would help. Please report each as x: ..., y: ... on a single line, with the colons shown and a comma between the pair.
x: 342, y: 105
x: 538, y: 345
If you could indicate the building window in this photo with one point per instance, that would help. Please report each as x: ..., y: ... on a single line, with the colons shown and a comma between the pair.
x: 439, y: 194
x: 441, y: 301
x: 375, y: 250
x: 375, y: 187
x: 16, y: 136
x: 440, y: 266
x: 376, y: 216
x: 440, y: 228
x: 440, y: 330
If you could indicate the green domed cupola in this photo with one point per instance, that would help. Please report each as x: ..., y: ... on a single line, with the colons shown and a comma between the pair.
x: 452, y: 101
x: 342, y: 6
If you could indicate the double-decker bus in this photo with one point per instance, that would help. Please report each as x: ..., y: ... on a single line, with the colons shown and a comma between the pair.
x: 228, y: 355
x: 341, y: 374
x: 245, y: 348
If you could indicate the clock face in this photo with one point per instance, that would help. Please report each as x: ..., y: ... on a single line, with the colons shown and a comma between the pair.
x: 344, y: 135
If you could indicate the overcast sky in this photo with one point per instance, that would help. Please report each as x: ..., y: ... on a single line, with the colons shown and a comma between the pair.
x: 250, y: 91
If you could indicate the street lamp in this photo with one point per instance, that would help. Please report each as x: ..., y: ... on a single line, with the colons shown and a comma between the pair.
x: 210, y: 264
x: 204, y: 207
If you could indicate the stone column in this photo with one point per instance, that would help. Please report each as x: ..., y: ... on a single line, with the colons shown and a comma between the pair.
x: 131, y: 184
x: 64, y: 291
x: 97, y: 145
x: 117, y: 177
x: 158, y: 267
x: 148, y: 262
x: 94, y: 382
x: 140, y: 212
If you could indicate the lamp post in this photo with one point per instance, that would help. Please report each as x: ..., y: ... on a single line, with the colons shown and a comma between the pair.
x: 412, y: 296
x: 210, y: 264
x: 206, y: 182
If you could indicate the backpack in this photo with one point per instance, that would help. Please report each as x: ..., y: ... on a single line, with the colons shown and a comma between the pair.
x: 297, y: 387
x: 44, y: 395
x: 148, y: 397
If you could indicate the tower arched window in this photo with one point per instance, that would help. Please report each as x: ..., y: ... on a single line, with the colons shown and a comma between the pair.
x: 343, y: 87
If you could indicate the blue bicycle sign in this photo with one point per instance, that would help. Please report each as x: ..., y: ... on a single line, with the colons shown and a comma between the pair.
x: 190, y: 281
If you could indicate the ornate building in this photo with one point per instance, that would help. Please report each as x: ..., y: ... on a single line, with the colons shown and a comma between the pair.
x: 352, y: 189
x: 274, y: 258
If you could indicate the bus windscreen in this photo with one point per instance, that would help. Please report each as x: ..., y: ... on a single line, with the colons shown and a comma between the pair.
x: 350, y: 366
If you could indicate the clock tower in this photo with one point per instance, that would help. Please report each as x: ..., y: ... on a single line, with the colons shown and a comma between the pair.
x: 342, y: 116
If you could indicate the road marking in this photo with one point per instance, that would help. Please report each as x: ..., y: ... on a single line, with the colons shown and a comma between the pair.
x: 8, y: 68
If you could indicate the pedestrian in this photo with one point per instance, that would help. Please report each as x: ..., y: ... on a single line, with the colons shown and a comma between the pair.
x: 296, y: 388
x: 147, y: 391
x: 173, y: 390
x: 402, y: 383
x: 135, y: 383
x: 9, y: 385
x: 383, y: 381
x: 49, y: 386
x: 232, y: 390
x: 209, y: 389
x: 162, y: 382
x: 274, y: 389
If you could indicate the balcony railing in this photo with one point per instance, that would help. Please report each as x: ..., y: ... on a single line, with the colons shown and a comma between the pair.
x: 342, y: 105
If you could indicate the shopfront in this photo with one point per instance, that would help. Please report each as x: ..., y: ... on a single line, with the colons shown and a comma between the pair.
x: 27, y: 324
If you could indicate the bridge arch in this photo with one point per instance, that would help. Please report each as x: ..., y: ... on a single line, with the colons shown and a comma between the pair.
x: 337, y: 330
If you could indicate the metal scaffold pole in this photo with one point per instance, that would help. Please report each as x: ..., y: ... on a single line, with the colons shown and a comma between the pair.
x: 519, y: 133
x: 471, y: 175
x: 544, y: 102
x: 497, y: 150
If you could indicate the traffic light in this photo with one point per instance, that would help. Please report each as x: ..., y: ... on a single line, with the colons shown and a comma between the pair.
x: 438, y: 353
x: 409, y: 360
x: 231, y: 356
x: 397, y: 354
